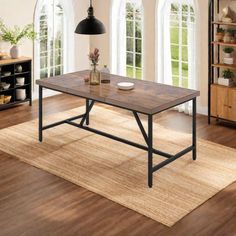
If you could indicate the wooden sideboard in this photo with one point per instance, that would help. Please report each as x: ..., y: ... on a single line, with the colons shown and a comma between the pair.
x: 10, y: 66
x: 223, y: 102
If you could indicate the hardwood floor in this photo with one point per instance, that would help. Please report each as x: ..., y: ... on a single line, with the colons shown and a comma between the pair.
x: 33, y: 202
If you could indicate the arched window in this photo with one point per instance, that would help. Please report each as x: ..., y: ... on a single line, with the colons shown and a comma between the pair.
x: 127, y: 38
x: 53, y: 42
x: 177, y: 42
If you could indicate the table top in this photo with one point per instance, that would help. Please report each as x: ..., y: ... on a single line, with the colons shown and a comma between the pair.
x: 147, y: 97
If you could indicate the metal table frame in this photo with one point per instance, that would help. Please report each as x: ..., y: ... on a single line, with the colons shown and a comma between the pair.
x: 148, y: 136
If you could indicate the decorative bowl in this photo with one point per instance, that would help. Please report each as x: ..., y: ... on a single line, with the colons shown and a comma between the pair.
x: 7, y: 99
x: 6, y: 86
x: 125, y: 86
x: 7, y: 73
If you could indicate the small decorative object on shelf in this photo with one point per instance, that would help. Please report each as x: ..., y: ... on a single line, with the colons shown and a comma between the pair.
x: 228, y: 15
x: 95, y: 75
x: 227, y: 79
x: 14, y: 36
x: 105, y: 74
x: 220, y: 34
x: 19, y: 68
x: 228, y: 36
x: 228, y: 59
x: 20, y: 94
x: 20, y: 81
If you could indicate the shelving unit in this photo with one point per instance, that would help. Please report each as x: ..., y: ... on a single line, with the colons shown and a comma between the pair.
x: 221, y: 99
x: 11, y: 66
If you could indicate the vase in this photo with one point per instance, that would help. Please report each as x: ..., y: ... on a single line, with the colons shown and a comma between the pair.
x: 14, y: 52
x: 95, y: 76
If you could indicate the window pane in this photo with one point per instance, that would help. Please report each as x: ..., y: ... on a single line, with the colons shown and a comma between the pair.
x: 138, y: 30
x: 138, y: 14
x: 130, y: 59
x: 130, y: 44
x: 174, y: 33
x: 138, y: 73
x: 43, y: 74
x: 185, y: 53
x: 130, y: 28
x: 175, y: 52
x: 138, y: 60
x: 129, y: 71
x: 185, y: 69
x: 175, y: 7
x: 43, y: 62
x: 175, y: 68
x: 176, y: 81
x: 58, y: 57
x: 138, y: 45
x: 184, y: 36
x: 185, y: 82
x: 129, y: 7
x: 58, y: 70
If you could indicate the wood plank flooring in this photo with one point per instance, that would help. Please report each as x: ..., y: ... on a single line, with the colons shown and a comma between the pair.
x: 33, y: 202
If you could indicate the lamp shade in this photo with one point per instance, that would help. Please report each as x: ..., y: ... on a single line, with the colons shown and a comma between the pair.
x: 90, y: 25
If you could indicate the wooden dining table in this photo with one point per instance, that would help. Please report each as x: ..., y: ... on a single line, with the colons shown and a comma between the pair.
x: 148, y: 98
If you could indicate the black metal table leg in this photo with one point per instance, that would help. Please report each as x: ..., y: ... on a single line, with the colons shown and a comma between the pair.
x: 150, y: 151
x: 40, y: 114
x: 194, y: 129
x: 87, y: 109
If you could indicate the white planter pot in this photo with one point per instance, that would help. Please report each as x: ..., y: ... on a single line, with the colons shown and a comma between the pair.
x: 14, y: 52
x: 226, y: 82
x: 20, y: 94
x: 228, y: 55
x: 228, y: 60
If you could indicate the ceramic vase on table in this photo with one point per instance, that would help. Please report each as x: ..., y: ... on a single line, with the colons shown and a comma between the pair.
x: 95, y: 76
x: 15, y: 52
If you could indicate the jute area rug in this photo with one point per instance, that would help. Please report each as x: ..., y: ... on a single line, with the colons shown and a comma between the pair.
x: 119, y: 172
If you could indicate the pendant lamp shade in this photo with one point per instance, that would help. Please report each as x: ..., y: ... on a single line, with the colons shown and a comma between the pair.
x: 90, y: 25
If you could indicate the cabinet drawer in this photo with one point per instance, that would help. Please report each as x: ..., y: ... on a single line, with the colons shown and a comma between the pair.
x: 232, y: 104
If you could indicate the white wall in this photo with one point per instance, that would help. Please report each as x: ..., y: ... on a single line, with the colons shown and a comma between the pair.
x: 21, y: 12
x: 102, y: 12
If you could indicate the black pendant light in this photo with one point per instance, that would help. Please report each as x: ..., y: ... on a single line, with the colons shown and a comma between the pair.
x: 90, y: 25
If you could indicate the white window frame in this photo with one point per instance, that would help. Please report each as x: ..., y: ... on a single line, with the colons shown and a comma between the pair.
x: 118, y: 36
x: 180, y: 45
x: 134, y: 53
x: 68, y: 41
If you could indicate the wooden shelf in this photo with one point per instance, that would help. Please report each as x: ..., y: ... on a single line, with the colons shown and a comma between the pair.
x: 224, y: 44
x: 223, y: 23
x: 22, y: 73
x: 233, y: 67
x: 11, y: 65
x: 222, y: 86
x: 7, y: 105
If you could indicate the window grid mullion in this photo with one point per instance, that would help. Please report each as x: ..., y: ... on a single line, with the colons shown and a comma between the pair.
x: 134, y: 46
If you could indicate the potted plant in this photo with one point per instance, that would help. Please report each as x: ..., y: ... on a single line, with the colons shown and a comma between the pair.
x: 228, y: 36
x: 15, y: 36
x: 220, y: 34
x: 227, y: 78
x: 228, y: 52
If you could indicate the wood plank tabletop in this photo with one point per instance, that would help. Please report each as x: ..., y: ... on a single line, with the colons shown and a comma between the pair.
x: 147, y: 97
